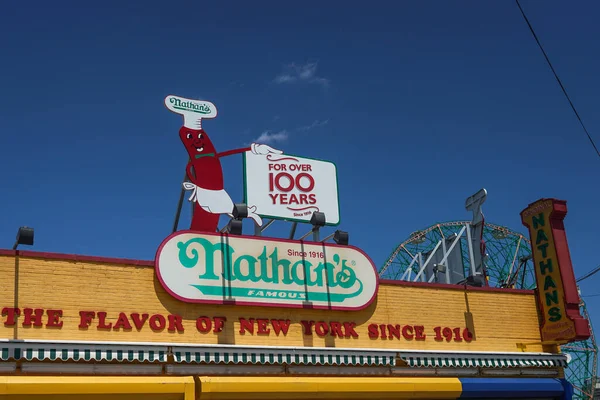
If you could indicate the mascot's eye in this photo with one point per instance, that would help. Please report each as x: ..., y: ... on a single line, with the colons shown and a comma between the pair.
x: 199, y: 136
x: 189, y: 135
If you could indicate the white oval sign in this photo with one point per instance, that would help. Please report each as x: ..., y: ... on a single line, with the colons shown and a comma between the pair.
x: 199, y: 108
x: 222, y: 269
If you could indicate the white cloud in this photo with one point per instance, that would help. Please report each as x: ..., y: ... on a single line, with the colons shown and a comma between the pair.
x: 282, y: 135
x: 268, y: 137
x: 301, y: 73
x: 316, y: 123
x: 285, y: 78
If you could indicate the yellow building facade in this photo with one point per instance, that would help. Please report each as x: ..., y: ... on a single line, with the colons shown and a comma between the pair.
x: 88, y: 328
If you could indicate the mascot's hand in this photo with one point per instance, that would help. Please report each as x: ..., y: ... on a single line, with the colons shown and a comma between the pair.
x: 263, y: 149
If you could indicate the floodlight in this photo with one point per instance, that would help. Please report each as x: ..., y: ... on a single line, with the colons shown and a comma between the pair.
x: 24, y: 236
x: 317, y: 219
x: 235, y: 227
x: 341, y: 237
x: 240, y: 211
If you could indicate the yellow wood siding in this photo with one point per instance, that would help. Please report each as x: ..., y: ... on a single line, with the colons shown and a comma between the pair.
x: 501, y: 320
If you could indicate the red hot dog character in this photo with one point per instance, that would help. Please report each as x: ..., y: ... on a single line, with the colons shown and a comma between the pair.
x: 204, y: 168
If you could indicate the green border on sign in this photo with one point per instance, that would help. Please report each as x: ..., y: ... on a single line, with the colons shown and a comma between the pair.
x: 337, y: 183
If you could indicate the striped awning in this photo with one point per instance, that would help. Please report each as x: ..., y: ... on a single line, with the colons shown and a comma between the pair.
x: 282, y: 356
x: 230, y: 354
x: 465, y: 360
x: 30, y: 351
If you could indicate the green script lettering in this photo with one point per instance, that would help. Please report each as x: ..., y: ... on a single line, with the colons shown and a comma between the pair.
x: 298, y: 280
x: 538, y: 220
x: 541, y: 236
x: 547, y: 266
x: 277, y: 264
x: 265, y: 268
x: 346, y: 277
x: 555, y: 315
x: 544, y: 249
x: 551, y: 297
x: 549, y: 283
x: 190, y: 106
x: 318, y: 275
x: 251, y: 265
x: 209, y: 251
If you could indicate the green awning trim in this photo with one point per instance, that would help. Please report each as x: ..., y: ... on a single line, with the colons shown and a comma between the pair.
x: 231, y: 354
x: 76, y: 352
x: 283, y: 356
x: 484, y: 360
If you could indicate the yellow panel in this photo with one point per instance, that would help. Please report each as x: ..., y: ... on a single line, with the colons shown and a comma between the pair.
x: 226, y: 388
x: 164, y: 396
x: 500, y: 319
x: 94, y: 385
x: 7, y: 291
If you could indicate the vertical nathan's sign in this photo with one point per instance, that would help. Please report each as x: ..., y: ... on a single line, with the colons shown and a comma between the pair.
x: 557, y: 289
x: 291, y: 188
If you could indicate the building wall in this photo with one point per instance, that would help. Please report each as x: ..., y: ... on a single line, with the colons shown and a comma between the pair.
x: 499, y: 319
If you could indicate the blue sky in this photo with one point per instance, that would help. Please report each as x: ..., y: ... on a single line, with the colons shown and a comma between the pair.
x: 419, y: 104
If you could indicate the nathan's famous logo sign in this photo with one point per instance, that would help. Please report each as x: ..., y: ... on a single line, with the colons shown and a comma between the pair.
x: 221, y: 269
x: 291, y: 187
x: 557, y: 290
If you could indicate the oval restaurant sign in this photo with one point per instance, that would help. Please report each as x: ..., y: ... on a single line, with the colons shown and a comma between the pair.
x: 223, y: 269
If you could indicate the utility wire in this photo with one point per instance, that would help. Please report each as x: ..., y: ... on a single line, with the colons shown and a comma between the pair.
x: 558, y: 80
x: 592, y: 295
x: 592, y: 272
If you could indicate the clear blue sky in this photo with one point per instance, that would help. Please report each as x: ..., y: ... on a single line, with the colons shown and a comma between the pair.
x: 419, y: 104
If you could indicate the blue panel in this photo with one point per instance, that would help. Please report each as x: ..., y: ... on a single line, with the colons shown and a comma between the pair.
x: 499, y: 388
x: 568, y: 390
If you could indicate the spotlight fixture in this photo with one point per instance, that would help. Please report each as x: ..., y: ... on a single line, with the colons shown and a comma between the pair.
x: 24, y: 236
x: 235, y: 227
x: 240, y: 211
x: 318, y: 219
x: 341, y: 237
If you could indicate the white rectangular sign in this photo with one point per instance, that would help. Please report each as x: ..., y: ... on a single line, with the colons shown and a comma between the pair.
x: 289, y: 187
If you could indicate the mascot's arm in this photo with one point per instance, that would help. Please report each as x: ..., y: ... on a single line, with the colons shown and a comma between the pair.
x: 255, y: 148
x: 190, y: 172
x: 231, y: 152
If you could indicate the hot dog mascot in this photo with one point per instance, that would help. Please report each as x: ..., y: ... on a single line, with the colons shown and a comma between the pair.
x: 204, y: 168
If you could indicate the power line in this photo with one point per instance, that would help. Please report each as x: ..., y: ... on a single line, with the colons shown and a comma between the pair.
x: 592, y: 295
x: 558, y: 80
x: 592, y: 272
